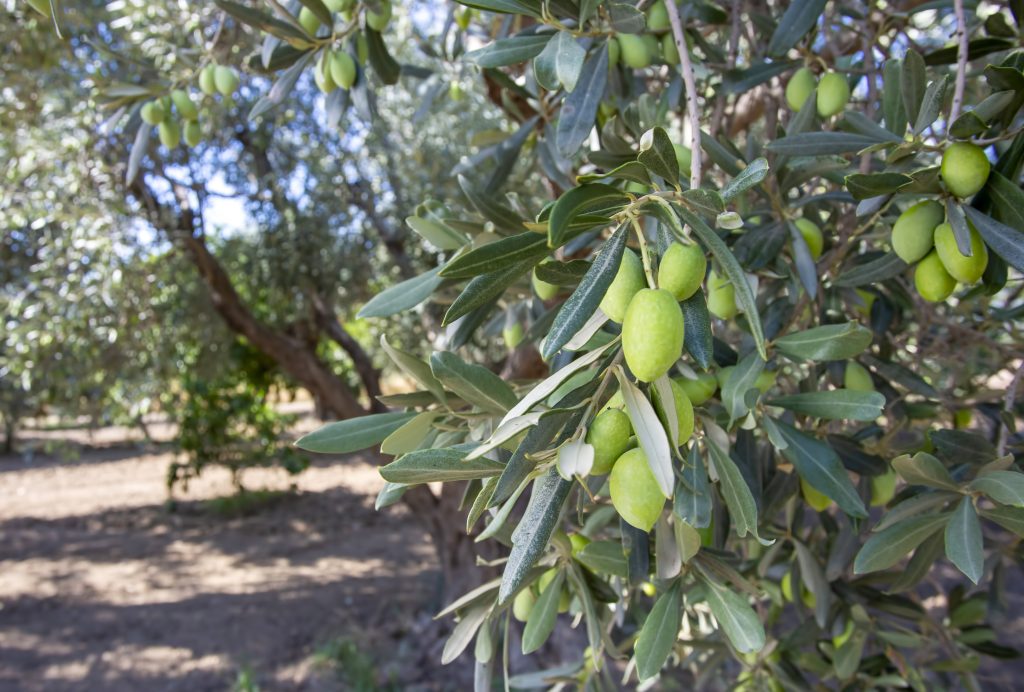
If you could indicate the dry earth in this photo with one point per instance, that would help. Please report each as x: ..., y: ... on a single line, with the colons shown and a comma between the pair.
x: 103, y: 588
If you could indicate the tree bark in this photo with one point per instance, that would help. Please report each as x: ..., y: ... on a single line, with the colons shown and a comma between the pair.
x: 369, y: 375
x: 292, y: 355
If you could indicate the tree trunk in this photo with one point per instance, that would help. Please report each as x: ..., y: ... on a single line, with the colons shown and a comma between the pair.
x: 295, y: 357
x: 369, y: 375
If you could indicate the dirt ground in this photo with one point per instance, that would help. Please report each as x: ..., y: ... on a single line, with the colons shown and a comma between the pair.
x: 103, y: 588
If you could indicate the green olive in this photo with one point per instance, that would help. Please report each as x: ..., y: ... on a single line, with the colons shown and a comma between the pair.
x: 309, y: 21
x: 962, y: 418
x: 857, y: 378
x: 685, y: 158
x: 635, y: 493
x: 913, y: 233
x: 207, y: 82
x: 628, y: 280
x: 965, y: 168
x: 800, y: 86
x: 523, y: 604
x: 183, y: 104
x: 378, y: 21
x: 966, y: 270
x: 657, y: 17
x: 721, y: 296
x: 170, y: 134
x: 816, y: 499
x: 543, y: 289
x: 152, y: 113
x: 609, y: 433
x: 682, y: 270
x: 699, y: 390
x: 343, y: 69
x: 564, y: 599
x: 512, y: 334
x: 193, y: 133
x: 633, y: 51
x: 833, y: 93
x: 684, y: 411
x: 652, y: 334
x: 613, y: 52
x: 322, y: 74
x: 932, y: 280
x: 668, y: 49
x: 812, y: 236
x: 883, y: 489
x: 226, y: 80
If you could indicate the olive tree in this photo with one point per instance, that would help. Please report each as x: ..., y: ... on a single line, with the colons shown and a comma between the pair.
x: 757, y: 267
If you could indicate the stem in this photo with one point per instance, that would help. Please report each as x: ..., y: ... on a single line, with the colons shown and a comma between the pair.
x: 961, y: 61
x: 1011, y: 396
x: 644, y: 253
x: 690, y: 81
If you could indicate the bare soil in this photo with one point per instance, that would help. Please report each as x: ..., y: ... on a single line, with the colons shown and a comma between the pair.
x: 104, y: 587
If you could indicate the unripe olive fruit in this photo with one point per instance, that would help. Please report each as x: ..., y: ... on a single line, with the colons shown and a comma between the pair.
x: 152, y: 113
x: 378, y: 21
x: 633, y: 51
x: 657, y: 17
x: 343, y: 69
x: 652, y: 45
x: 309, y: 21
x: 966, y: 270
x: 833, y: 93
x: 766, y: 380
x: 564, y: 598
x: 857, y: 378
x: 207, y: 80
x: 883, y: 489
x: 463, y: 16
x: 614, y: 402
x: 523, y: 604
x: 170, y: 134
x: 965, y: 168
x: 193, y: 133
x: 225, y: 79
x: 613, y: 52
x: 844, y: 636
x: 816, y: 499
x: 699, y: 390
x: 668, y: 49
x: 183, y: 103
x: 635, y: 493
x: 685, y: 158
x: 335, y: 5
x: 721, y: 296
x: 543, y: 289
x: 322, y: 76
x: 628, y: 280
x: 684, y: 411
x: 812, y: 236
x: 932, y: 280
x: 652, y: 334
x: 578, y: 541
x: 800, y: 86
x: 962, y: 418
x: 913, y: 233
x: 609, y: 434
x: 362, y: 48
x: 455, y: 92
x: 682, y: 270
x: 512, y: 334
x: 806, y: 596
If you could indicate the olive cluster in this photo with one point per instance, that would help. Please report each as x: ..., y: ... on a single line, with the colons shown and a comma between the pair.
x: 922, y: 234
x: 338, y: 68
x: 832, y: 96
x: 213, y: 79
x: 638, y: 51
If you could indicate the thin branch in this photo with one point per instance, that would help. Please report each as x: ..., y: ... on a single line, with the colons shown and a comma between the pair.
x: 692, y: 104
x: 961, y: 60
x: 1011, y: 396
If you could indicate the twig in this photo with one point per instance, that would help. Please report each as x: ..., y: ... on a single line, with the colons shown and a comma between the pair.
x: 1011, y: 396
x: 961, y: 61
x: 690, y: 81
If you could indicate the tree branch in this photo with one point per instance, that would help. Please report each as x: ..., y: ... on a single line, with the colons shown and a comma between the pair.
x: 692, y: 104
x: 961, y: 61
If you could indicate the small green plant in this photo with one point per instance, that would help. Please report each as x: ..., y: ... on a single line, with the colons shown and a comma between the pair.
x: 354, y: 668
x: 227, y: 420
